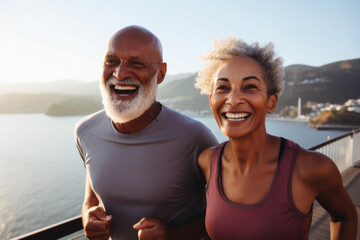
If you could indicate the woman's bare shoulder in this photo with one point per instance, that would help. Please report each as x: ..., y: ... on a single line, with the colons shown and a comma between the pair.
x: 205, y: 157
x: 315, y: 168
x: 204, y: 161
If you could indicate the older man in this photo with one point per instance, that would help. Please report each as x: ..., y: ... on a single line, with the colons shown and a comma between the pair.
x: 142, y: 178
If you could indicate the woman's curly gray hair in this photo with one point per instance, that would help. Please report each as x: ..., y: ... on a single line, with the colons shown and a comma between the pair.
x: 235, y: 47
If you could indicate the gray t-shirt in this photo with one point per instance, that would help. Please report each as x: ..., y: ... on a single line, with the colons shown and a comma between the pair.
x: 152, y: 173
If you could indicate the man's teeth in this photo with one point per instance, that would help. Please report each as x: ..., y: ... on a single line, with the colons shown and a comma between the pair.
x: 236, y: 116
x: 125, y: 87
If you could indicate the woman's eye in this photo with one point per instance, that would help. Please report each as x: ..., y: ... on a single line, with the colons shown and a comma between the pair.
x: 221, y: 87
x: 250, y: 86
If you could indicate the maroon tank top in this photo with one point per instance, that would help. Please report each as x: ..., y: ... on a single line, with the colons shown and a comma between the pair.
x: 274, y: 217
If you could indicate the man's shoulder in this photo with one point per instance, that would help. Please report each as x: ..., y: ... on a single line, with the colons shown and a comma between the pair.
x: 88, y: 121
x: 185, y: 125
x: 180, y: 119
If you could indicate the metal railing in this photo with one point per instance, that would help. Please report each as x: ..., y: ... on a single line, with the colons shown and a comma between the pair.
x: 343, y: 150
x: 55, y: 231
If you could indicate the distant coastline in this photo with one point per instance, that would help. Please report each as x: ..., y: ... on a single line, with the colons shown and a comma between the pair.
x: 287, y: 119
x: 86, y: 111
x: 325, y: 126
x: 335, y: 127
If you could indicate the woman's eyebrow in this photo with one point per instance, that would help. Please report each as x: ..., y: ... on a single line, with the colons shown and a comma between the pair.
x: 223, y: 79
x: 250, y: 77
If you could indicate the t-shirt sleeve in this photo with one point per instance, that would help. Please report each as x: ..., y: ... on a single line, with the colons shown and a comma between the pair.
x: 78, y: 142
x: 205, y: 139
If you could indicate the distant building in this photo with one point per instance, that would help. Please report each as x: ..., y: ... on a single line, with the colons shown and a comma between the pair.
x: 333, y: 107
x: 353, y: 105
x: 354, y: 109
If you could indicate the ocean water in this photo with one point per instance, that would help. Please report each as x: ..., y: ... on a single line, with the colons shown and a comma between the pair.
x: 299, y: 132
x: 42, y: 175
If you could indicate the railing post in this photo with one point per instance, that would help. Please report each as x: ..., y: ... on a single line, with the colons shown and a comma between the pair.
x: 356, y: 146
x: 352, y: 148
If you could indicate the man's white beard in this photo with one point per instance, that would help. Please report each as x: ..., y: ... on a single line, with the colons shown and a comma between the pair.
x: 124, y: 111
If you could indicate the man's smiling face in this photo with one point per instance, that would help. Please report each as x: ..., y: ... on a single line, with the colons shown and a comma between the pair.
x: 130, y: 75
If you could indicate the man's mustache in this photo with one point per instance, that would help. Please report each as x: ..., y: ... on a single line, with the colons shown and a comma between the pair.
x: 128, y: 81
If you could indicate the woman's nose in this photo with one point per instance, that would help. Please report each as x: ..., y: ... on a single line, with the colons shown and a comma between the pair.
x: 234, y: 97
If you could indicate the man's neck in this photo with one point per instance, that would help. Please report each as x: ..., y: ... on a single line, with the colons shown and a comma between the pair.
x: 141, y: 122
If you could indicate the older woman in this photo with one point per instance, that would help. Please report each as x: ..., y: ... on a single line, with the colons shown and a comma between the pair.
x: 261, y: 186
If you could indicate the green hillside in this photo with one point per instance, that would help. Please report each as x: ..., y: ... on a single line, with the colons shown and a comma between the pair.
x: 336, y: 117
x: 182, y: 95
x: 49, y: 103
x: 335, y: 83
x: 29, y: 103
x: 76, y: 105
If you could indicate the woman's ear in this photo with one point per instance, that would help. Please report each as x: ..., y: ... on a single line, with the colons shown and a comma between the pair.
x: 210, y: 96
x: 271, y: 103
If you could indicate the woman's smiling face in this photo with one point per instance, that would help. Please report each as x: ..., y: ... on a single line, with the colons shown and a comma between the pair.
x: 239, y: 100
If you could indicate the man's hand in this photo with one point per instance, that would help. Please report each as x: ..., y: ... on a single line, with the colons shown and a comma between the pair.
x: 150, y: 229
x: 97, y: 224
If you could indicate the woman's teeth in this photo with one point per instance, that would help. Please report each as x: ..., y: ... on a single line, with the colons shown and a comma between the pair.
x: 237, y: 116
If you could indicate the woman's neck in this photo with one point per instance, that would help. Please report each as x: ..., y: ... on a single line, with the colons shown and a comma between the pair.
x: 251, y: 151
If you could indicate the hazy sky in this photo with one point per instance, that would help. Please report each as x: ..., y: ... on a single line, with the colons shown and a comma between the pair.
x: 49, y: 40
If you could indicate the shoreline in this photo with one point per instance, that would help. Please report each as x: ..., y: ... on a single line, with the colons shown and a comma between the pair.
x: 335, y: 127
x: 304, y: 120
x: 197, y: 115
x: 317, y: 127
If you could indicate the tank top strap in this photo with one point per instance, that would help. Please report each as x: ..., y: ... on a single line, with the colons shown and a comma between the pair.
x: 287, y: 159
x: 214, y: 167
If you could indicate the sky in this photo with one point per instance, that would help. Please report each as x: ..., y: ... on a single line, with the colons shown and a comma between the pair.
x: 50, y: 40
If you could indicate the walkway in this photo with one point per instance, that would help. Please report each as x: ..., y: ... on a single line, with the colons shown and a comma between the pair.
x: 321, y: 220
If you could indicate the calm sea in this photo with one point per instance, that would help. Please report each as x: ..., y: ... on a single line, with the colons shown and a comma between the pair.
x: 42, y: 175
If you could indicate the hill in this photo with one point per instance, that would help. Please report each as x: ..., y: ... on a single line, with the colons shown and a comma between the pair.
x: 75, y: 105
x: 29, y: 103
x: 182, y: 95
x: 70, y: 87
x: 336, y: 118
x: 52, y: 104
x: 335, y: 83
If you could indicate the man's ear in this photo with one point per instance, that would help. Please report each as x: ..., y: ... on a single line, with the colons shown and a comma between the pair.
x: 162, y: 72
x: 210, y: 96
x: 271, y: 103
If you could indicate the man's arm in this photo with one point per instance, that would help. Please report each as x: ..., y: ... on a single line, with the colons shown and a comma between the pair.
x: 156, y: 229
x: 96, y: 222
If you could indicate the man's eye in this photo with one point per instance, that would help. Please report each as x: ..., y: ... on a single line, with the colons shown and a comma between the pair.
x: 110, y: 61
x: 137, y: 64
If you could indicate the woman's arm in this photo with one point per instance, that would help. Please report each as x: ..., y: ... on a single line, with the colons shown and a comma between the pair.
x: 325, y: 180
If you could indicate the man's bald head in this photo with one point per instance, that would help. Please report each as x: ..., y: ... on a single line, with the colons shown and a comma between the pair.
x: 132, y: 69
x: 141, y: 35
